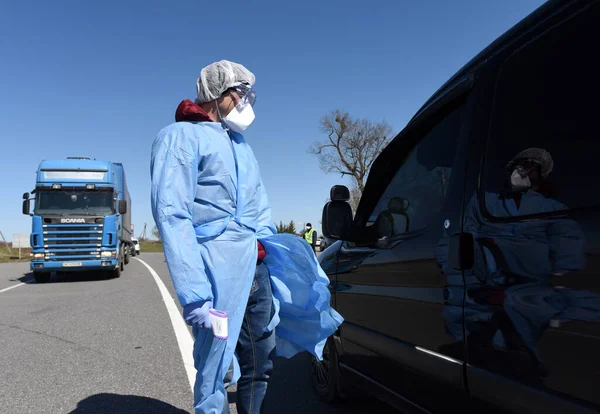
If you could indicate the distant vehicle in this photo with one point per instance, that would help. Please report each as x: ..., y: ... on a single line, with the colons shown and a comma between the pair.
x: 325, y: 242
x: 468, y: 277
x: 136, y: 247
x: 81, y: 218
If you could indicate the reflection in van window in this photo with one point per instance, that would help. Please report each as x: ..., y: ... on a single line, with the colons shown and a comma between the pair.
x: 544, y: 140
x: 422, y: 181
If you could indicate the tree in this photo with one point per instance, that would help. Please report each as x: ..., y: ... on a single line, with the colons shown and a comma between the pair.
x: 286, y: 228
x: 156, y: 233
x: 351, y: 147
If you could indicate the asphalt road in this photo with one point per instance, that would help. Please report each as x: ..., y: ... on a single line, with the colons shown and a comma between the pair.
x: 84, y: 344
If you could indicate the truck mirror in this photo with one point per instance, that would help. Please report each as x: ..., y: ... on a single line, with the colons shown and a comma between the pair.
x: 26, y: 206
x: 25, y: 196
x: 122, y: 206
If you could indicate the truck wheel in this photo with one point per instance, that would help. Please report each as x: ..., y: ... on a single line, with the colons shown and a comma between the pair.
x: 114, y: 274
x: 325, y: 374
x: 41, y: 277
x: 122, y: 258
x: 127, y: 258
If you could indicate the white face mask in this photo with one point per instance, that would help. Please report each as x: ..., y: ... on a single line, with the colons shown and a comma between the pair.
x: 518, y: 182
x: 240, y: 118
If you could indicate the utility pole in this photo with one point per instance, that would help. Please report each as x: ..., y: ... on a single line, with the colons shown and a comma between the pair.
x: 143, y: 235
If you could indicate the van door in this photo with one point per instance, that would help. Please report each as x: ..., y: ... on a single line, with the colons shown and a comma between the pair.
x: 402, y: 309
x: 533, y: 303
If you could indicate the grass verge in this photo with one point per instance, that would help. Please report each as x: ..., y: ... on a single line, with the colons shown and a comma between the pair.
x: 13, y: 256
x: 151, y: 247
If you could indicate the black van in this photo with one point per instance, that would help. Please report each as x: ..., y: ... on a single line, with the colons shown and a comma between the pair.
x: 470, y: 274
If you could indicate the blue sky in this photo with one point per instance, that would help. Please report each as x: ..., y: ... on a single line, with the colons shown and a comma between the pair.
x: 100, y: 79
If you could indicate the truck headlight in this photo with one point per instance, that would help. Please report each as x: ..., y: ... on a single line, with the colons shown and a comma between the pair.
x: 108, y: 254
x: 37, y: 255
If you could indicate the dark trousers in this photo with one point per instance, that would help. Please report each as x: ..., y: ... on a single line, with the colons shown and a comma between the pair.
x: 255, y: 349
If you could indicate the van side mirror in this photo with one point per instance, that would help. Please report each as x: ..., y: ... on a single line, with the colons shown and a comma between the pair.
x: 26, y: 206
x: 122, y: 206
x: 337, y: 219
x: 339, y: 193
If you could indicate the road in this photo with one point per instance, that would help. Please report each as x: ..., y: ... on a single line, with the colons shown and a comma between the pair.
x: 83, y: 344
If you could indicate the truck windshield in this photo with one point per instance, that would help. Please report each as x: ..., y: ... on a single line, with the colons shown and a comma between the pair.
x: 80, y: 202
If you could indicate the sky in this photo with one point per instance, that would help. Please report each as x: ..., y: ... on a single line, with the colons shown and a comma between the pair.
x: 100, y: 79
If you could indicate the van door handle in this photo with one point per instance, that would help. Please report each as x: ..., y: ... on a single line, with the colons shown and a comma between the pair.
x: 461, y: 251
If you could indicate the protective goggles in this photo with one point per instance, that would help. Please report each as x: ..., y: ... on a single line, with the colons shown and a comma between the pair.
x: 524, y: 166
x: 245, y: 92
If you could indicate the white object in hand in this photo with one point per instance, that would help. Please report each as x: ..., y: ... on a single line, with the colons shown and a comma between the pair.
x: 218, y: 321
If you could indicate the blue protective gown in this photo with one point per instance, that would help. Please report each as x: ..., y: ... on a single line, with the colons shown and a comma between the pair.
x: 531, y: 249
x: 303, y: 317
x: 210, y: 206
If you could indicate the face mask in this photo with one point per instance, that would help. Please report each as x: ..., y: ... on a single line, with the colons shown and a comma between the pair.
x: 240, y: 118
x: 307, y: 228
x: 518, y: 181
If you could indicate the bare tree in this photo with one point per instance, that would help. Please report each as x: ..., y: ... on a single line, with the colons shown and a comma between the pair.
x: 156, y: 233
x: 351, y: 147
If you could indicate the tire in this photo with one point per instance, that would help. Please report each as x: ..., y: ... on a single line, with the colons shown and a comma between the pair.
x: 114, y: 274
x: 127, y: 259
x: 122, y: 259
x: 41, y: 277
x: 325, y: 375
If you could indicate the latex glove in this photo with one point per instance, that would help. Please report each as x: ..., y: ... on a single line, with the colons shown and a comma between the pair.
x: 197, y: 314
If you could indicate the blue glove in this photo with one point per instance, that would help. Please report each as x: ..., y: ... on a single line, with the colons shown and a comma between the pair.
x: 196, y: 314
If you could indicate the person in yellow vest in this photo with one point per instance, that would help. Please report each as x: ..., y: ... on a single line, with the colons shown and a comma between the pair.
x: 310, y: 235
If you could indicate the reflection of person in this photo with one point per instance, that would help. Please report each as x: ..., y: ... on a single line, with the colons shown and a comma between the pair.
x: 515, y: 259
x: 310, y: 235
x: 210, y: 207
x: 535, y: 249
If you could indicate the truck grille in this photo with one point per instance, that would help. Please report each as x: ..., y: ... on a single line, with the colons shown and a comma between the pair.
x: 72, y: 241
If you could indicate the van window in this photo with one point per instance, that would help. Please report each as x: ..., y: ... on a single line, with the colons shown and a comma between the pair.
x: 422, y: 180
x: 546, y: 106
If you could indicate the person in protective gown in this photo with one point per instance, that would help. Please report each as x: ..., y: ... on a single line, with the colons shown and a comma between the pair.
x: 517, y: 259
x: 211, y: 208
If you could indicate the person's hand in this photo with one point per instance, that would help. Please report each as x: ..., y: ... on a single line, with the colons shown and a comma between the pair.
x: 197, y: 314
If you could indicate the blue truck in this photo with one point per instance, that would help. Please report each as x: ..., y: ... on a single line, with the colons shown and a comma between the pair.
x: 81, y: 218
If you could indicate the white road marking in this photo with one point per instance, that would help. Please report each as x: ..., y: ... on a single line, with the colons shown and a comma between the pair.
x: 184, y: 339
x: 12, y: 287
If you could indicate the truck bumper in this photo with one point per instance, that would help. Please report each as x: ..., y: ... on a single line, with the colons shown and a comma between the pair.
x: 57, y: 266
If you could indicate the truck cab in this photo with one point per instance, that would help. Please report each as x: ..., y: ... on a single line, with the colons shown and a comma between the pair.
x: 81, y: 218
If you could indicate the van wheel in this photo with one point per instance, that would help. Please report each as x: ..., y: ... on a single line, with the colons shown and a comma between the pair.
x: 41, y: 277
x: 325, y: 374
